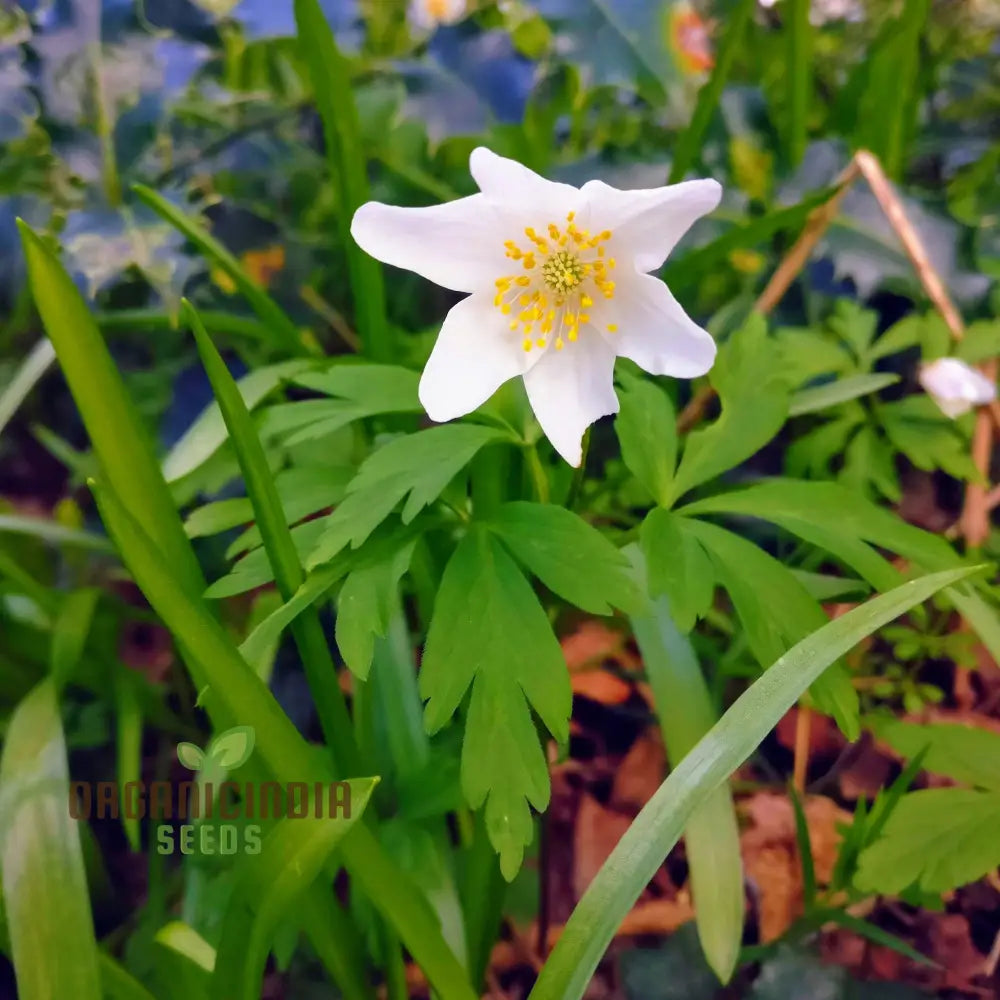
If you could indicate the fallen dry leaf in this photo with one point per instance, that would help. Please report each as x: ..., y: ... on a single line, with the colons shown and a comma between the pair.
x: 641, y: 772
x: 597, y: 831
x: 770, y: 854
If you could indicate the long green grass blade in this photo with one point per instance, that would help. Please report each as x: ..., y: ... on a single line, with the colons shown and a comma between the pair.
x: 34, y: 366
x: 334, y: 96
x: 41, y: 861
x: 281, y: 552
x: 269, y: 884
x: 234, y: 694
x: 711, y: 836
x: 798, y: 42
x: 271, y: 314
x: 641, y: 850
x: 733, y: 37
x: 123, y: 446
x: 118, y: 983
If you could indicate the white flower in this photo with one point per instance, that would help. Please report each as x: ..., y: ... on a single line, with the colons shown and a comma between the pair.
x: 428, y: 14
x: 559, y: 288
x: 955, y: 386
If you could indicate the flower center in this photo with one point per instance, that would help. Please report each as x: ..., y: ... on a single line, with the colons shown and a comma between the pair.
x: 563, y: 275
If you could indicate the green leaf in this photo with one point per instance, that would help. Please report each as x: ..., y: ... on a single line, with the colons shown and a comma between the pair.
x: 917, y: 428
x: 822, y: 397
x: 333, y: 92
x: 691, y: 139
x: 569, y: 556
x: 678, y: 566
x: 754, y: 406
x: 119, y: 984
x: 268, y: 885
x: 646, y: 426
x: 965, y: 753
x: 271, y: 314
x: 640, y: 852
x: 208, y: 433
x: 776, y: 612
x: 53, y: 532
x: 415, y: 467
x: 981, y: 342
x: 191, y: 756
x: 34, y: 366
x: 44, y: 884
x: 231, y: 749
x: 365, y: 605
x: 838, y: 519
x: 939, y: 838
x: 489, y: 631
x: 711, y: 836
x: 376, y: 388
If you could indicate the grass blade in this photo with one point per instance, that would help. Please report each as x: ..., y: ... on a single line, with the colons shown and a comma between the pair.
x: 118, y: 983
x: 41, y: 861
x: 282, y: 555
x: 641, y: 850
x: 334, y: 96
x: 271, y: 314
x: 684, y: 708
x: 268, y: 885
x: 234, y: 694
x: 34, y: 366
x: 733, y: 37
x: 798, y: 40
x: 123, y: 446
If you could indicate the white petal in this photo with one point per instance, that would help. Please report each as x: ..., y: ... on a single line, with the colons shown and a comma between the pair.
x: 570, y: 389
x: 457, y: 245
x: 475, y: 353
x: 521, y: 190
x: 955, y: 386
x: 647, y: 224
x: 653, y: 329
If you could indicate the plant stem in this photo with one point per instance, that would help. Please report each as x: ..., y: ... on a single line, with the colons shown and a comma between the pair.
x: 538, y: 476
x: 483, y: 891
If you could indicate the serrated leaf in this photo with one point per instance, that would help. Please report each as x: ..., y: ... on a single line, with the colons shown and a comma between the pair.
x: 208, y: 432
x: 365, y: 605
x: 754, y: 406
x: 677, y: 565
x: 965, y: 753
x: 232, y: 748
x: 569, y: 556
x: 191, y: 756
x: 822, y: 397
x: 490, y: 632
x: 647, y: 432
x: 980, y: 342
x: 378, y: 388
x: 938, y: 838
x: 776, y: 612
x: 414, y: 468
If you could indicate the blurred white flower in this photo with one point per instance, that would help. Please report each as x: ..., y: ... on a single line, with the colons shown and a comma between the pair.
x: 428, y: 14
x: 559, y: 288
x: 955, y: 386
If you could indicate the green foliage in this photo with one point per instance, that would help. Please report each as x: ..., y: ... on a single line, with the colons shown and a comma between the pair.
x: 489, y: 632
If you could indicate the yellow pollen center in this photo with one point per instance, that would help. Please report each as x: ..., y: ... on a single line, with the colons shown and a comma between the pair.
x: 563, y: 273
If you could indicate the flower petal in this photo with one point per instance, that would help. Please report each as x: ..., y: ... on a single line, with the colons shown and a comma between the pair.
x: 457, y: 245
x: 474, y: 355
x: 955, y: 386
x: 522, y: 190
x: 653, y: 330
x: 570, y: 389
x: 647, y: 224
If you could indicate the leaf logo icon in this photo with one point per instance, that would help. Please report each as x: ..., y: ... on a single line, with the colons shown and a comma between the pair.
x: 191, y: 756
x: 229, y: 750
x: 233, y: 747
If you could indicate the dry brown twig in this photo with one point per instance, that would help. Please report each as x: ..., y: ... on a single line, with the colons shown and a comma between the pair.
x: 979, y: 499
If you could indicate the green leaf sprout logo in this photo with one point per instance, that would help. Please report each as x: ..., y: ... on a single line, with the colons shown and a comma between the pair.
x: 229, y: 750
